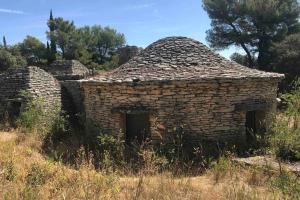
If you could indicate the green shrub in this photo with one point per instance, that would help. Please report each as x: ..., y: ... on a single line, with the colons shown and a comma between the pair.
x: 288, y: 184
x: 38, y: 118
x: 285, y: 133
x: 110, y: 149
x: 10, y: 171
x: 37, y: 175
x: 220, y: 168
x: 184, y: 154
x: 31, y: 118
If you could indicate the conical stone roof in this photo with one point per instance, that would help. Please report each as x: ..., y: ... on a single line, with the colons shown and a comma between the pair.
x: 180, y: 58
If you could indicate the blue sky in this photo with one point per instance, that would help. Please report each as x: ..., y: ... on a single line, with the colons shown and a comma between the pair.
x: 142, y: 21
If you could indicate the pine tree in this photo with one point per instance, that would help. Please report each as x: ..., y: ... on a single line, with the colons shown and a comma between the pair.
x: 4, y: 43
x: 252, y: 25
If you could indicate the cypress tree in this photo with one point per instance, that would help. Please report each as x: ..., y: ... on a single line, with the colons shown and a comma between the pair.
x: 51, y: 25
x: 48, y: 52
x: 4, y: 43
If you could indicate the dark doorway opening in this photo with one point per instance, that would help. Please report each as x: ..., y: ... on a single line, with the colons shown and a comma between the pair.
x: 255, y: 126
x: 137, y: 128
x: 12, y: 112
x: 14, y: 109
x: 251, y: 125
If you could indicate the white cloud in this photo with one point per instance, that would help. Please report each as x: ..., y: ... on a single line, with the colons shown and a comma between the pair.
x: 139, y: 6
x: 9, y: 11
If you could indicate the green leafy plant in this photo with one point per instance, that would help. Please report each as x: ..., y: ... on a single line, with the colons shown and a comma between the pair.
x: 288, y: 184
x: 110, y: 148
x: 285, y: 133
x: 10, y: 171
x: 37, y: 175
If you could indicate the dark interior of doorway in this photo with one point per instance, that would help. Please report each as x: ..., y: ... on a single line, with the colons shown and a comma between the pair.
x: 137, y: 128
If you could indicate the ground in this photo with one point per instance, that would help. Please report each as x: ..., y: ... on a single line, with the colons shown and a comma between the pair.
x: 25, y: 173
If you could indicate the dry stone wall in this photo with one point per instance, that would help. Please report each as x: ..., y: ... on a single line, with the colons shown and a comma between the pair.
x: 44, y: 85
x: 36, y: 81
x: 11, y: 83
x: 207, y: 109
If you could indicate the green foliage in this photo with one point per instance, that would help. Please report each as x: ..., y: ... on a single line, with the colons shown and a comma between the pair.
x: 110, y: 149
x: 4, y: 43
x: 10, y: 61
x: 10, y: 171
x: 36, y: 117
x: 287, y: 53
x: 52, y: 50
x: 93, y: 46
x: 287, y: 59
x: 285, y: 135
x: 30, y: 120
x: 239, y: 58
x: 37, y: 175
x: 101, y: 44
x: 61, y: 34
x: 288, y: 184
x: 109, y: 65
x: 252, y: 25
x: 220, y: 168
x: 33, y: 50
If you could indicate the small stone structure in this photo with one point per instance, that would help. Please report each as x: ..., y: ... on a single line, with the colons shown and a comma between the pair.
x: 34, y: 80
x: 58, y: 87
x: 127, y: 52
x: 67, y: 70
x: 178, y: 81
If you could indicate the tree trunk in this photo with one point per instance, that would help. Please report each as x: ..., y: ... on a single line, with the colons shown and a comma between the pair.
x: 249, y: 57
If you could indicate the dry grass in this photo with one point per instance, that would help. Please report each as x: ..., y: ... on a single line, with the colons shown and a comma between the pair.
x: 26, y: 174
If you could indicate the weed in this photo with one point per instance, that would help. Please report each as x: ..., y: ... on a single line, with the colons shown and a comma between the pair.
x: 288, y: 184
x: 10, y: 171
x: 221, y: 168
x: 37, y: 175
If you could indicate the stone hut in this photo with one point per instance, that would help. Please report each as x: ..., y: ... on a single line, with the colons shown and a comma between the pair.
x: 37, y: 82
x: 178, y: 81
x: 67, y: 70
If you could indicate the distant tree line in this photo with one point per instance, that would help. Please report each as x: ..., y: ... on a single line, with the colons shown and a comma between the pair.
x: 268, y: 31
x: 95, y: 46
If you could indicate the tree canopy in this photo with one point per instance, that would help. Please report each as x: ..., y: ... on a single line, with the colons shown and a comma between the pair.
x: 91, y: 45
x: 252, y: 25
x: 10, y: 58
x: 33, y: 50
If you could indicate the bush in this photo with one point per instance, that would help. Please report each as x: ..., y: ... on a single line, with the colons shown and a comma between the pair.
x: 288, y: 184
x: 36, y: 117
x: 30, y: 119
x: 37, y: 175
x: 221, y: 168
x: 110, y: 150
x: 285, y: 133
x: 10, y: 171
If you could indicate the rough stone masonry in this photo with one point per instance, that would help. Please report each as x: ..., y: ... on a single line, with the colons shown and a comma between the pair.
x: 37, y: 82
x: 179, y: 81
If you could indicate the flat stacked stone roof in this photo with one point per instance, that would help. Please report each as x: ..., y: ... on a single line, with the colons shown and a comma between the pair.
x: 180, y: 58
